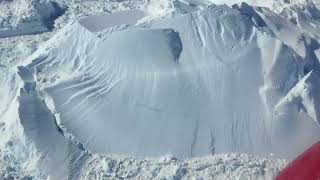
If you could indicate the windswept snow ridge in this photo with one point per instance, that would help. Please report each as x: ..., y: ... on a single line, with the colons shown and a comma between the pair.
x: 192, y: 80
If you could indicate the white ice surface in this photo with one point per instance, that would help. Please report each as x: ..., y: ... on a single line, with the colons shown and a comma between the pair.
x: 171, y: 86
x: 163, y: 87
x: 181, y: 85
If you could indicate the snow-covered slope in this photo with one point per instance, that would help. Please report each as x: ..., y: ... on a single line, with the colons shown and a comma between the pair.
x: 213, y: 80
x: 180, y: 85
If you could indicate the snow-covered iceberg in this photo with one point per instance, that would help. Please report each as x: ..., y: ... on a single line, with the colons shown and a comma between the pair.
x: 185, y: 86
x: 217, y: 80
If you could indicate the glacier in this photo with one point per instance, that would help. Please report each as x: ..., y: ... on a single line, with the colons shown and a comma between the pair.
x: 218, y: 79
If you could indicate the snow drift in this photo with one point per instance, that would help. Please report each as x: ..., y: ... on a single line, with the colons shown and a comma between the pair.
x: 218, y: 80
x: 209, y: 83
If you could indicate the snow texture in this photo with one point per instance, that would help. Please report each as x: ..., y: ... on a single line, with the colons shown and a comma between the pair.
x: 148, y: 79
x: 231, y: 166
x: 22, y: 17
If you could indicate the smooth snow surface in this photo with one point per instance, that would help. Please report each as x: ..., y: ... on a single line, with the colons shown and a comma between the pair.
x: 186, y: 78
x: 144, y: 88
x: 100, y: 22
x: 209, y: 82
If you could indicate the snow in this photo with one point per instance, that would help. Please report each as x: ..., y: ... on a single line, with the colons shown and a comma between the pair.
x: 100, y: 22
x: 223, y: 166
x: 22, y: 17
x: 159, y: 86
x: 301, y: 100
x: 317, y: 53
x: 111, y: 94
x: 275, y: 5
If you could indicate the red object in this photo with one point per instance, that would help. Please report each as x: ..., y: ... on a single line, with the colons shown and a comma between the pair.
x: 305, y: 167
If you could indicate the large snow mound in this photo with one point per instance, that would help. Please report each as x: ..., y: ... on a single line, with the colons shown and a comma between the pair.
x: 123, y: 86
x: 209, y: 83
x: 217, y: 80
